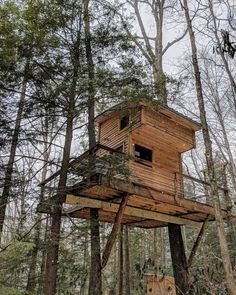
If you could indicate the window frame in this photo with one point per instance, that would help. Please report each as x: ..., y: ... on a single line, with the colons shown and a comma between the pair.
x: 120, y: 119
x: 141, y: 160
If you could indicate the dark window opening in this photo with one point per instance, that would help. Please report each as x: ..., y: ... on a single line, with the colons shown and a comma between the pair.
x: 124, y: 122
x: 143, y: 153
x: 120, y: 148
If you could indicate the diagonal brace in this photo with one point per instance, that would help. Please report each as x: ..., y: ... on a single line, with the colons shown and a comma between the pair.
x: 115, y: 229
x: 197, y: 242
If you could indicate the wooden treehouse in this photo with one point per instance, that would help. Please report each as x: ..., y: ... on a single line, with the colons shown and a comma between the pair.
x: 136, y: 176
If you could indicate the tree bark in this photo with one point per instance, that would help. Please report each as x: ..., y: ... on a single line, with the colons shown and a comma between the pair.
x: 121, y: 263
x: 54, y: 238
x: 127, y: 262
x: 31, y: 283
x: 15, y: 137
x: 209, y: 159
x: 95, y: 282
x: 225, y: 62
x: 53, y: 246
x: 179, y: 261
x: 155, y: 249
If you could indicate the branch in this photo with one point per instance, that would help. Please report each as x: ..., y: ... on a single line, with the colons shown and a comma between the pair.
x: 169, y: 44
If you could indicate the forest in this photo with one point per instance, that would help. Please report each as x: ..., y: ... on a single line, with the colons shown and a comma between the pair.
x: 63, y: 64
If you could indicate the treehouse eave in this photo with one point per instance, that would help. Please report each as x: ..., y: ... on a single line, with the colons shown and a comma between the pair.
x: 165, y: 110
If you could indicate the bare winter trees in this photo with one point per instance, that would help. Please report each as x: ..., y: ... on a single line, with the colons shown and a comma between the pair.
x: 209, y: 158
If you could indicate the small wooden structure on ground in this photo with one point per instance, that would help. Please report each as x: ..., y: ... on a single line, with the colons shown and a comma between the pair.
x: 160, y: 285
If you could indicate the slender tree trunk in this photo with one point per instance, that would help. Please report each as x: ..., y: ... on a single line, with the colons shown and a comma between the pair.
x: 155, y: 249
x: 225, y: 62
x: 127, y: 262
x: 121, y: 263
x: 53, y: 245
x: 15, y: 137
x: 179, y: 262
x: 210, y: 162
x: 95, y: 282
x: 31, y: 283
x: 41, y: 282
x: 163, y: 248
x: 159, y: 75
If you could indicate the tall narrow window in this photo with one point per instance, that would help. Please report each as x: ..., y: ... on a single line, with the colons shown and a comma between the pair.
x: 143, y: 153
x: 124, y: 122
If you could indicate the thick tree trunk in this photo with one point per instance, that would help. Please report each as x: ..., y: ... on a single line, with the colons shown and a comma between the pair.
x: 210, y: 162
x: 179, y: 261
x: 15, y: 137
x: 95, y: 282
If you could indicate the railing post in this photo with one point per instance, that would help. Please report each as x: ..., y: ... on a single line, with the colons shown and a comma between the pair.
x: 176, y: 185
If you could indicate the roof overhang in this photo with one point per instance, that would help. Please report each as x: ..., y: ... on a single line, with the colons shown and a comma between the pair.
x: 165, y: 110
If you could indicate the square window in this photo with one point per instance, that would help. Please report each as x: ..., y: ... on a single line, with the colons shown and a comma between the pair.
x: 143, y: 153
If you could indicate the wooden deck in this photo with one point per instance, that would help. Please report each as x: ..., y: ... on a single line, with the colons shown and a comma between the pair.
x: 146, y: 208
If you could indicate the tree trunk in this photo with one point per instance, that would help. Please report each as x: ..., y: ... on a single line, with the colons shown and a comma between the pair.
x: 179, y: 261
x: 225, y: 62
x: 53, y: 246
x: 127, y: 262
x: 155, y: 249
x: 31, y: 283
x: 209, y: 159
x: 121, y: 263
x: 95, y: 282
x: 41, y: 282
x: 9, y: 169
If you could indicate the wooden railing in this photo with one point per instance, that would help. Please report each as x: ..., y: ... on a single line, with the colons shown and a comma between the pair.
x: 178, y: 184
x: 195, y: 189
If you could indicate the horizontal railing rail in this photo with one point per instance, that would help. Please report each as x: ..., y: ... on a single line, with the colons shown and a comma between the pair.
x: 178, y: 184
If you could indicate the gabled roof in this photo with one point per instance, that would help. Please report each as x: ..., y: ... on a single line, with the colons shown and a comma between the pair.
x: 165, y: 110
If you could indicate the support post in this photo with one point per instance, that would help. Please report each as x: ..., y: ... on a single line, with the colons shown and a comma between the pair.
x: 115, y: 229
x: 179, y: 261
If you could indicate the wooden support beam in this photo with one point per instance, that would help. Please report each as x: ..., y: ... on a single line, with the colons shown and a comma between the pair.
x: 147, y: 192
x: 115, y: 230
x: 130, y: 211
x: 197, y: 242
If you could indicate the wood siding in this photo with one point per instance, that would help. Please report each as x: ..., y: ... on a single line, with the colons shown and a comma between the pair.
x: 155, y: 131
x: 110, y: 133
x: 169, y: 130
x: 160, y: 174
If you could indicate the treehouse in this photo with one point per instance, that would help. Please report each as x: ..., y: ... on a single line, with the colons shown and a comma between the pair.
x: 134, y: 174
